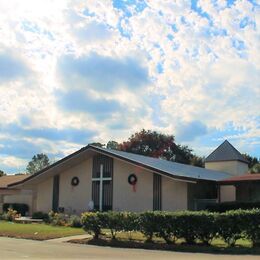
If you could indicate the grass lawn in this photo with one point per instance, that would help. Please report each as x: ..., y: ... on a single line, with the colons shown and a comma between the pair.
x: 36, y: 231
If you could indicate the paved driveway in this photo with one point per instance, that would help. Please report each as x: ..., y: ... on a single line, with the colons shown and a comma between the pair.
x: 11, y: 248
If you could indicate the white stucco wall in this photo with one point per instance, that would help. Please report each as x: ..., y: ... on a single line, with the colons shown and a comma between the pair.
x: 227, y: 193
x: 233, y: 167
x: 75, y: 199
x: 174, y: 195
x: 124, y: 198
x: 44, y: 195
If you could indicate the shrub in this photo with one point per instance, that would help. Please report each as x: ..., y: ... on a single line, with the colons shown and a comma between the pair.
x: 58, y: 219
x: 252, y: 225
x: 193, y: 226
x: 10, y: 215
x: 41, y: 215
x: 130, y: 221
x: 167, y: 226
x: 231, y: 226
x: 75, y: 221
x: 148, y: 224
x: 91, y: 223
x: 21, y: 208
x: 113, y: 221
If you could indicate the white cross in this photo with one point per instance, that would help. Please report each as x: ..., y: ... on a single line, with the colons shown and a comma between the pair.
x: 101, y: 179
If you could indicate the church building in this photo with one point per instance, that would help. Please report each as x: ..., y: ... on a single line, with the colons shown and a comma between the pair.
x: 106, y: 179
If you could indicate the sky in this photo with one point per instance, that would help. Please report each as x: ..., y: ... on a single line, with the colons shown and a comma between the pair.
x: 75, y: 72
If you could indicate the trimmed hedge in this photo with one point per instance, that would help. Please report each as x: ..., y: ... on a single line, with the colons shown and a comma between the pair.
x: 21, y: 208
x: 226, y: 206
x: 193, y: 226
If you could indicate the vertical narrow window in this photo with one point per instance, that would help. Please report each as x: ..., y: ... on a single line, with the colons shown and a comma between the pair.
x: 102, y: 183
x: 55, y: 193
x: 157, y: 192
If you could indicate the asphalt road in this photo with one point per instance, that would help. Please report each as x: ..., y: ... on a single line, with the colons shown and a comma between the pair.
x: 11, y: 248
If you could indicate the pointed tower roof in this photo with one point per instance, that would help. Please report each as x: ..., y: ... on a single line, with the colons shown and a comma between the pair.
x: 226, y: 152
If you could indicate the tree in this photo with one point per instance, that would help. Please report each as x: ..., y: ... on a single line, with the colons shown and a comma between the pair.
x: 113, y: 145
x: 154, y: 144
x: 38, y: 162
x: 252, y: 160
x: 197, y: 161
x: 255, y: 168
x: 2, y: 173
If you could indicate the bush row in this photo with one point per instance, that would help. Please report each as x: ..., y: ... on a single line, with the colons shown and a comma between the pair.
x: 58, y: 219
x: 192, y: 226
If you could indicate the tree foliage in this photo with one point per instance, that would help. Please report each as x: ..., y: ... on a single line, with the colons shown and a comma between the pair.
x: 2, y: 173
x: 38, y: 162
x: 252, y: 160
x: 255, y: 168
x: 113, y: 145
x: 158, y: 145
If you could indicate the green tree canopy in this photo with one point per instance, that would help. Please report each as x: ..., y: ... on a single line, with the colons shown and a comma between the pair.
x: 255, y: 168
x: 2, y: 173
x: 38, y: 162
x: 113, y: 145
x: 252, y: 160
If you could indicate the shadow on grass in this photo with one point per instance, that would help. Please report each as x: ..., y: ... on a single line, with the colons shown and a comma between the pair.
x: 198, y: 248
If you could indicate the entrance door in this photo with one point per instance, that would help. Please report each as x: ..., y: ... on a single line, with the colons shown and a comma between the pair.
x: 102, y: 182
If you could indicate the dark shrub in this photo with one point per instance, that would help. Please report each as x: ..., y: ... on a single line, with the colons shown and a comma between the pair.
x: 41, y: 215
x: 149, y: 224
x: 231, y: 226
x: 252, y: 225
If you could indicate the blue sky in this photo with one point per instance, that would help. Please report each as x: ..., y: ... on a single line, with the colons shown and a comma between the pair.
x: 74, y: 72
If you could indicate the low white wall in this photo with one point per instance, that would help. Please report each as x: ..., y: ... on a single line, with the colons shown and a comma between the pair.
x: 227, y: 193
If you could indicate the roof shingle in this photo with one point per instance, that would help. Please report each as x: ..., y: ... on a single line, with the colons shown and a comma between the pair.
x: 9, y: 179
x: 225, y: 152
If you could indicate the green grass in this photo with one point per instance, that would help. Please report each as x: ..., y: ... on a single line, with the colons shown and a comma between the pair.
x: 36, y: 231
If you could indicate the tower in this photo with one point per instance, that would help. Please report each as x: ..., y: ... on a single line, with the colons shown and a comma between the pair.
x: 227, y: 158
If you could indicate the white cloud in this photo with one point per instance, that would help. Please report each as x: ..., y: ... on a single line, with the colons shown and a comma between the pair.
x: 209, y: 68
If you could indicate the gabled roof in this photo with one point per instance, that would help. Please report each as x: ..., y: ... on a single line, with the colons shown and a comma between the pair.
x: 225, y: 152
x: 171, y: 169
x: 9, y: 179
